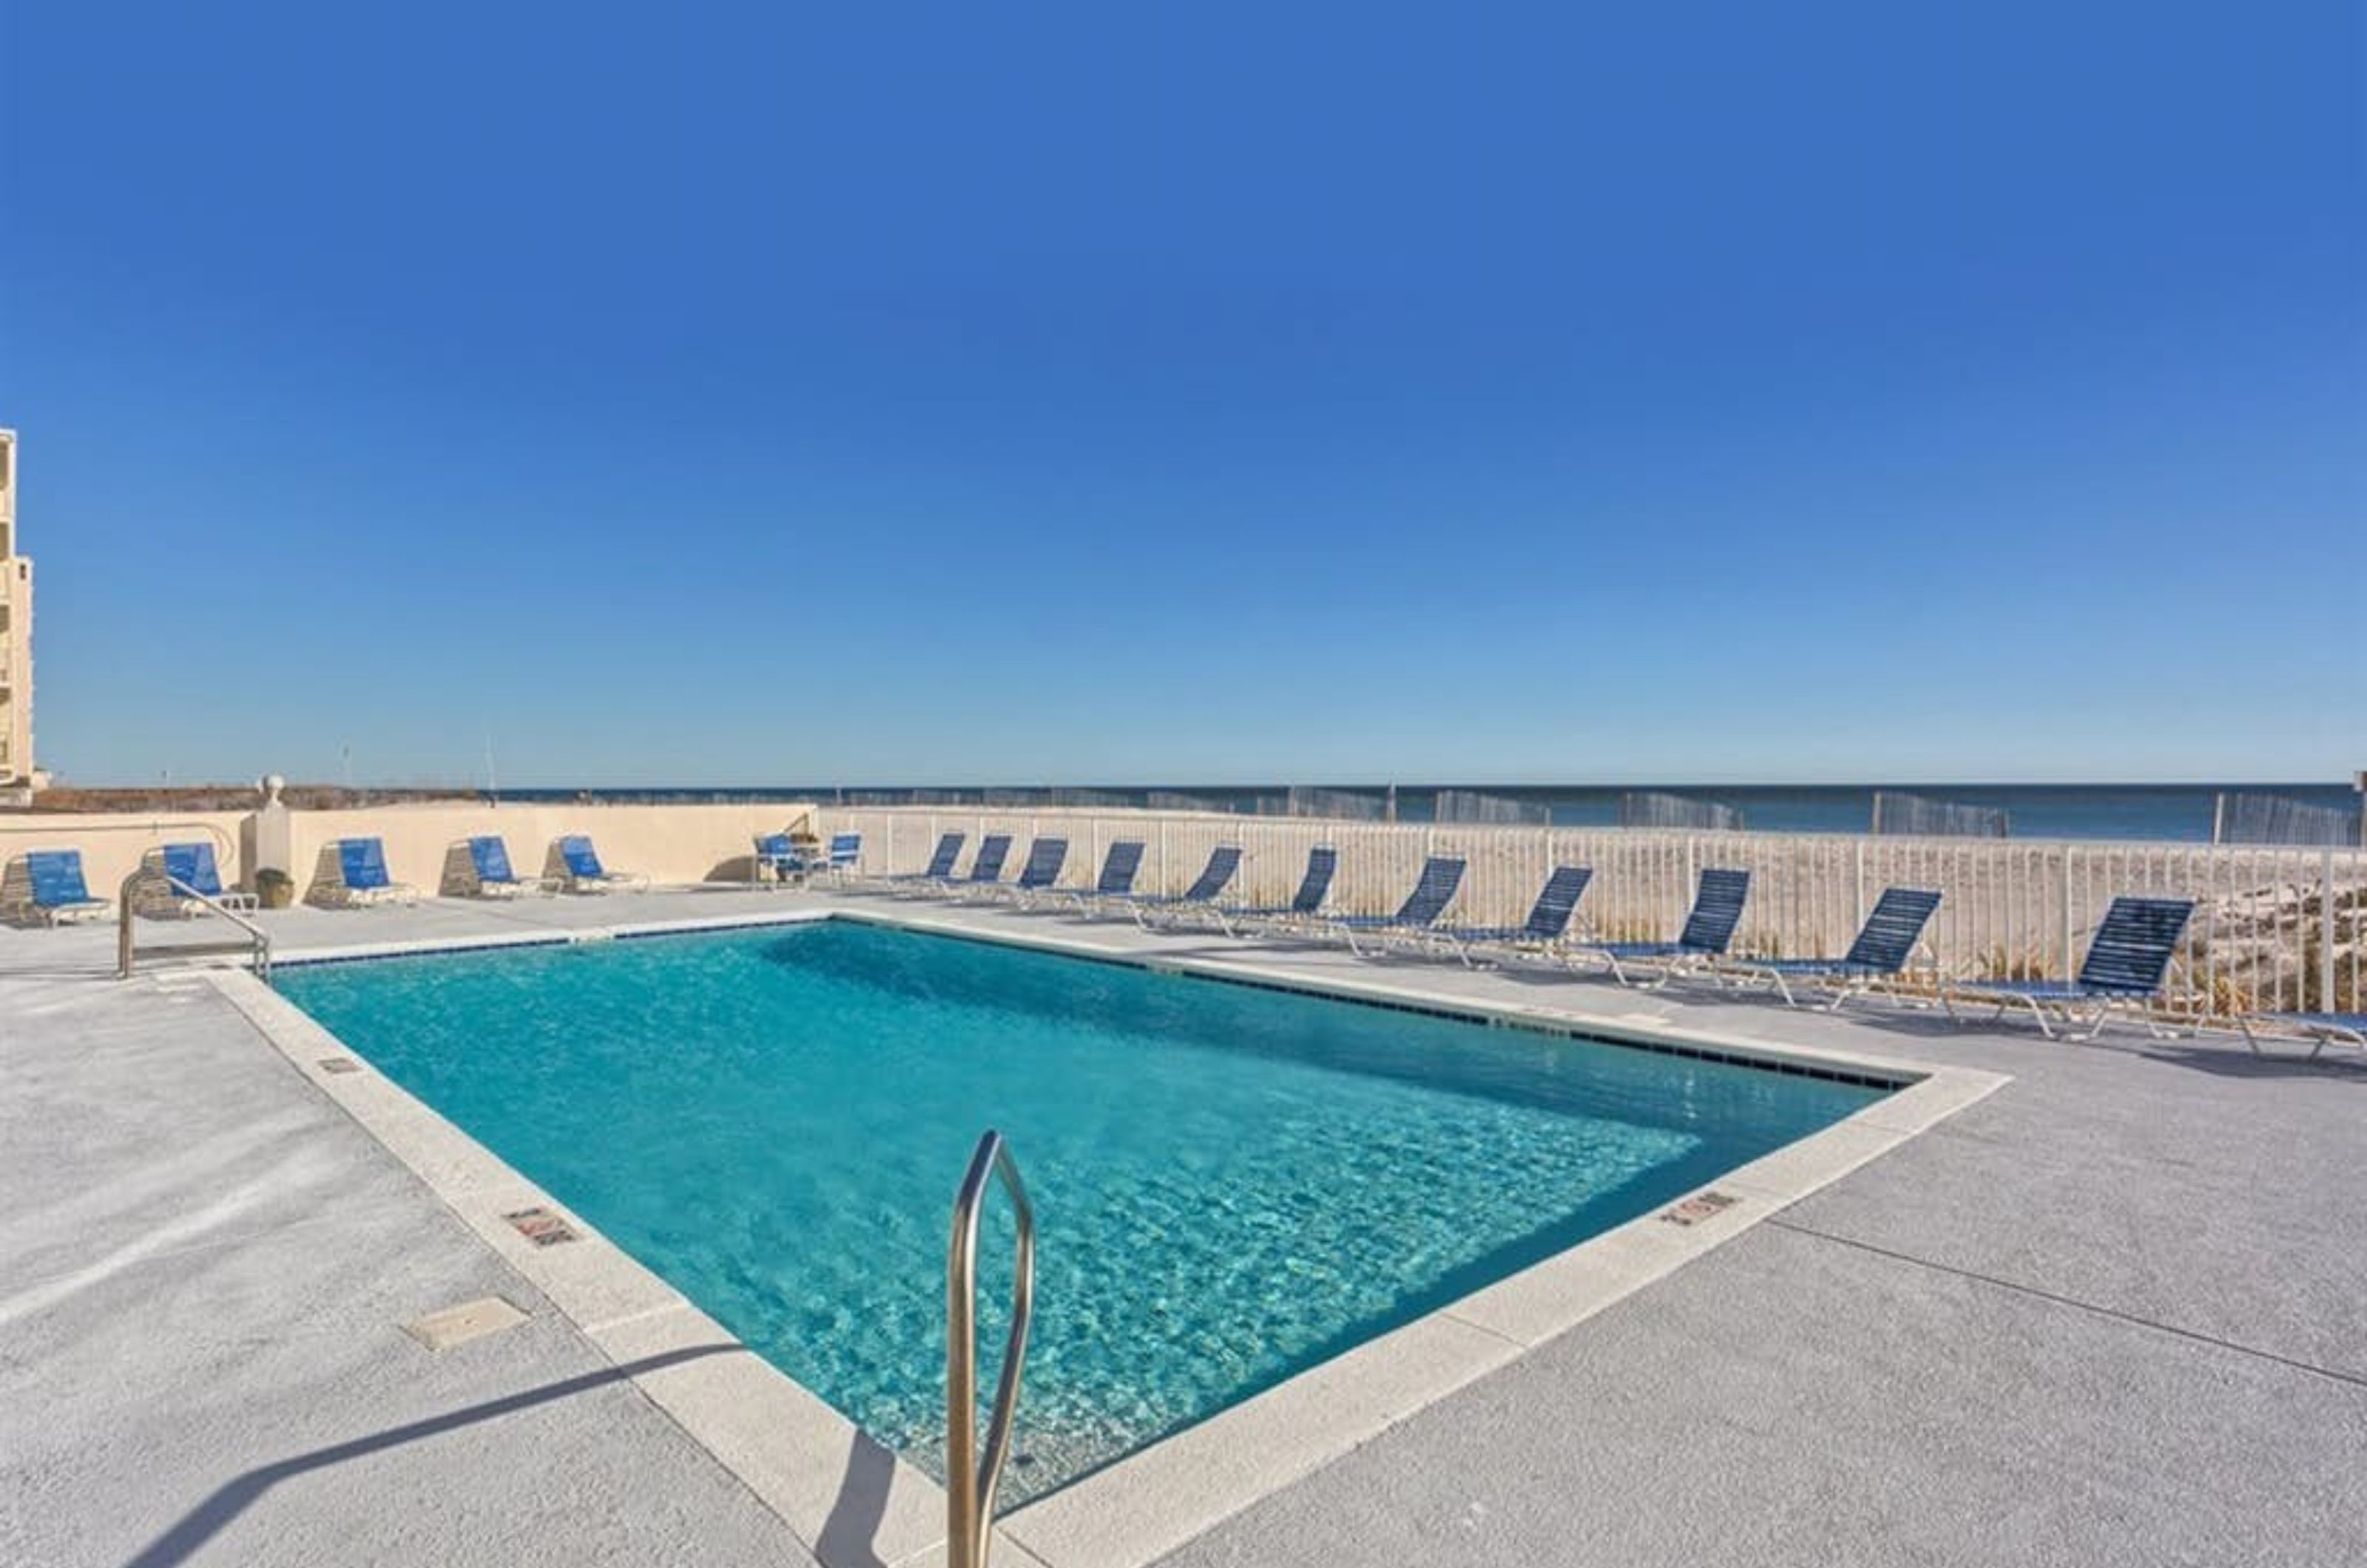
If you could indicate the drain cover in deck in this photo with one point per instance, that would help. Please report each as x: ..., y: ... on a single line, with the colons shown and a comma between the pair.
x: 338, y: 1064
x: 541, y: 1226
x: 1699, y: 1207
x: 459, y: 1325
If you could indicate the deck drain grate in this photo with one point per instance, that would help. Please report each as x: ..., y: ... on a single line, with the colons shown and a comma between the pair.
x: 1699, y: 1207
x: 541, y: 1226
x: 338, y: 1064
x: 459, y: 1325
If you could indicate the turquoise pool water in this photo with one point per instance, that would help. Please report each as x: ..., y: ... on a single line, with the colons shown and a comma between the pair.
x: 1230, y: 1184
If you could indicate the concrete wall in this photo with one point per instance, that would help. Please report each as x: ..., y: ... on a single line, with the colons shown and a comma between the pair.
x: 669, y: 844
x: 113, y: 843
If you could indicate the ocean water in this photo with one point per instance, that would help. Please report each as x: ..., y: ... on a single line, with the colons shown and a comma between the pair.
x: 2177, y: 813
x: 1231, y: 1185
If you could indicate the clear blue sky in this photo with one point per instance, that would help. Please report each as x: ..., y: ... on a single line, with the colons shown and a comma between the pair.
x: 1191, y: 393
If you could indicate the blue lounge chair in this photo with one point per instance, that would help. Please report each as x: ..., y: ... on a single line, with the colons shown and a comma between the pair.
x: 1540, y: 935
x: 2127, y: 962
x: 1224, y: 861
x: 845, y: 854
x: 1121, y: 863
x: 1305, y: 906
x: 1708, y: 932
x: 2320, y: 1028
x: 490, y: 876
x: 47, y: 885
x: 1882, y: 951
x: 782, y: 859
x: 939, y: 871
x: 986, y: 869
x: 197, y: 880
x: 580, y: 870
x: 353, y: 873
x: 1039, y: 875
x: 1433, y: 890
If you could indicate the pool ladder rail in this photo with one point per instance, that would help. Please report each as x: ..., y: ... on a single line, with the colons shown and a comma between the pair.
x: 255, y: 943
x: 970, y: 1476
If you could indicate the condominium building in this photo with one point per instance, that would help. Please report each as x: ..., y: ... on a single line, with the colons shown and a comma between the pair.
x: 15, y: 637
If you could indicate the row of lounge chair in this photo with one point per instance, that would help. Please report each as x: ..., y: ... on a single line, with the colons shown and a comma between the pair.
x: 2126, y: 967
x: 48, y: 886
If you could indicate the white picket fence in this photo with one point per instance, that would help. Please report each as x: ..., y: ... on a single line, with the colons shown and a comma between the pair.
x: 2275, y: 928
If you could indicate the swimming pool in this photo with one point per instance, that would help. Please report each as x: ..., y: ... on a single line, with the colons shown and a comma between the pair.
x: 1232, y: 1184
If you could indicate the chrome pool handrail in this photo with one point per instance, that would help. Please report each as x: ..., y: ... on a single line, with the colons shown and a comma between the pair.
x: 258, y: 945
x: 969, y: 1477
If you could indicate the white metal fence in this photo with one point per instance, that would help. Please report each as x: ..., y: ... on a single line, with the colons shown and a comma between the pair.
x: 2274, y: 927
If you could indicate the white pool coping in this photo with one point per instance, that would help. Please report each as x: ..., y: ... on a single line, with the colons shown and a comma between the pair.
x: 794, y: 1450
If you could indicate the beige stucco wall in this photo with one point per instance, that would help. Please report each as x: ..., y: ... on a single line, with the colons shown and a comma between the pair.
x: 112, y: 843
x: 669, y: 844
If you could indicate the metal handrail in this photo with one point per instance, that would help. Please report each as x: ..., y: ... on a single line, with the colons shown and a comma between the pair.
x: 259, y: 942
x: 970, y: 1478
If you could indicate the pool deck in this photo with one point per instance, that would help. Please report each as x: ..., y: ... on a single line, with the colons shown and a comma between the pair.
x: 2115, y: 1312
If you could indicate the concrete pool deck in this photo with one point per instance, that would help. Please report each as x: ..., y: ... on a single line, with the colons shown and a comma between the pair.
x: 2115, y: 1312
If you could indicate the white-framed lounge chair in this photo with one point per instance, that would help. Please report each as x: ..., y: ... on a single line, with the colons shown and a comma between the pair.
x: 1121, y: 863
x: 784, y: 860
x: 1148, y: 908
x: 1882, y: 951
x: 353, y: 875
x: 2319, y: 1029
x: 1040, y: 874
x: 1540, y: 937
x: 194, y: 881
x: 1305, y: 906
x: 580, y: 870
x: 2127, y: 964
x: 1708, y: 932
x: 47, y: 887
x: 486, y: 872
x: 843, y: 858
x: 1433, y: 890
x: 938, y: 872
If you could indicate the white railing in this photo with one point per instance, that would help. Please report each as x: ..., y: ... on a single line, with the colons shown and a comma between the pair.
x: 2274, y: 927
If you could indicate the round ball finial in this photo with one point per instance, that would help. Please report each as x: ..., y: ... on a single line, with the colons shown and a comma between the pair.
x: 272, y: 784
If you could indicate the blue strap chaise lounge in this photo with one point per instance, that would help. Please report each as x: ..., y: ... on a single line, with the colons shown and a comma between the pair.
x: 353, y: 875
x: 2319, y: 1029
x: 1433, y: 890
x: 1305, y: 908
x: 580, y: 870
x: 47, y: 885
x: 1882, y: 951
x: 1040, y: 874
x: 1199, y: 899
x: 985, y: 869
x: 1121, y: 863
x: 1708, y: 932
x: 1540, y: 937
x: 196, y: 880
x: 935, y: 874
x: 490, y: 873
x: 2127, y: 965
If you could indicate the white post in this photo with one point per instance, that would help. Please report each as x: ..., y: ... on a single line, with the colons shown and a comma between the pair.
x: 2326, y: 1001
